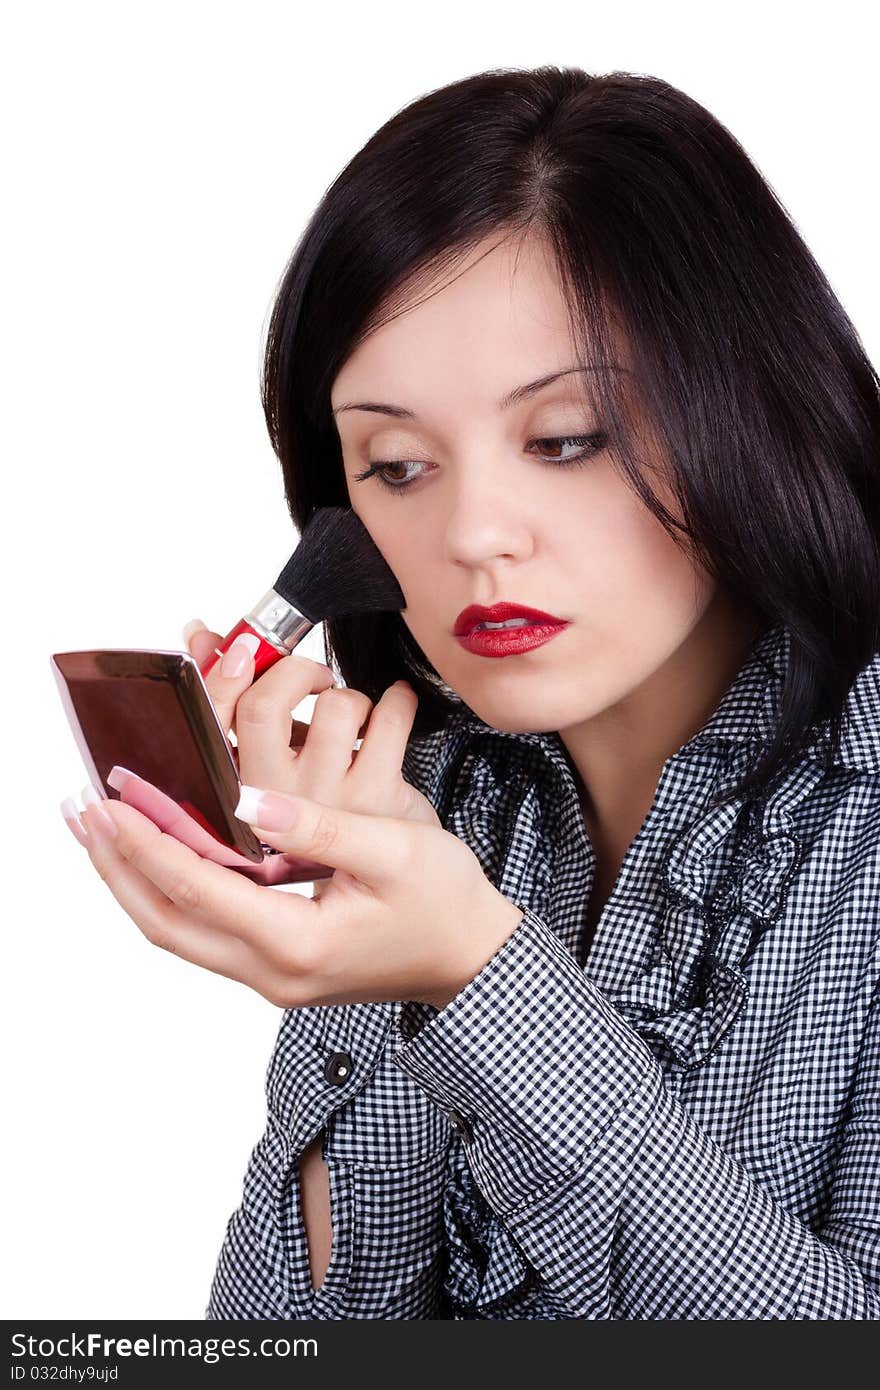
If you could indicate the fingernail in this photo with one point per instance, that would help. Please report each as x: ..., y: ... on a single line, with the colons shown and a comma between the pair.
x: 70, y: 812
x: 236, y: 658
x: 270, y: 810
x: 118, y: 776
x: 194, y: 625
x: 91, y: 798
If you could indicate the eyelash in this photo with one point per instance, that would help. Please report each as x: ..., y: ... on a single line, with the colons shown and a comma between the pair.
x: 590, y: 444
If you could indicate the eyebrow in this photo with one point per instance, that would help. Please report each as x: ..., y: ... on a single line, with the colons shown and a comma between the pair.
x: 519, y: 393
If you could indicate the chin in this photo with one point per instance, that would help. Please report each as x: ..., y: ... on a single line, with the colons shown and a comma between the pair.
x: 512, y: 718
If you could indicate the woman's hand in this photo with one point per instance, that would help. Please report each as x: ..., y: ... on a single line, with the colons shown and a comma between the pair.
x: 408, y: 913
x: 316, y: 760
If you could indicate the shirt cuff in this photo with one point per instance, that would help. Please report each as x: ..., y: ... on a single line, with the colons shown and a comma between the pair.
x: 529, y: 1060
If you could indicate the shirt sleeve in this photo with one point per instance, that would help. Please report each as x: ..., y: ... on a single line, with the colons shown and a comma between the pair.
x: 624, y: 1205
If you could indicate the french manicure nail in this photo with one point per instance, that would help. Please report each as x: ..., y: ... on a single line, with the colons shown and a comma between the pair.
x: 70, y: 812
x: 270, y: 810
x: 118, y: 776
x: 235, y: 659
x: 194, y: 625
x: 91, y: 798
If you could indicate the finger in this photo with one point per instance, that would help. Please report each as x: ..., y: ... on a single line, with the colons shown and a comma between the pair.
x: 162, y: 922
x: 264, y: 714
x: 230, y: 677
x: 197, y: 903
x: 300, y: 731
x: 380, y: 757
x: 200, y: 640
x: 376, y: 850
x: 327, y: 753
x: 201, y: 889
x: 202, y: 644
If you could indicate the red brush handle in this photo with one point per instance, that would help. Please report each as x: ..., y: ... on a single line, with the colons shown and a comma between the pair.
x: 266, y: 655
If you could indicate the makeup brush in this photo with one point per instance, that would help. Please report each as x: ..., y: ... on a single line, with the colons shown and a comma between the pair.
x: 335, y: 569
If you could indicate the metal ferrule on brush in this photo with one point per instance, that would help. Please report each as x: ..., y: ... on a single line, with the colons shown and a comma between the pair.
x: 278, y: 622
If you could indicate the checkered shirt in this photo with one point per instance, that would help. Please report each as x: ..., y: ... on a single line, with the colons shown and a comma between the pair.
x: 685, y: 1124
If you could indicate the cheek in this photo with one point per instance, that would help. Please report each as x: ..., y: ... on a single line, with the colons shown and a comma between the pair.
x: 399, y: 544
x: 631, y: 569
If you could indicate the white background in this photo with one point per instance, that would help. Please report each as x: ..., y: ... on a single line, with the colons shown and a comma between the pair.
x: 160, y: 161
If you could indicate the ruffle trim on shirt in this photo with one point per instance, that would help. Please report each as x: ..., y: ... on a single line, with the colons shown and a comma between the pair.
x: 689, y: 999
x: 718, y: 901
x: 485, y: 1266
x: 725, y: 882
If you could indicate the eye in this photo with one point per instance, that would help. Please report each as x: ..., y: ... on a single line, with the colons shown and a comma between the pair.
x: 586, y: 445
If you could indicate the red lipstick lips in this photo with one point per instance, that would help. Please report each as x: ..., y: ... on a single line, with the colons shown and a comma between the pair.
x: 499, y: 613
x: 534, y: 630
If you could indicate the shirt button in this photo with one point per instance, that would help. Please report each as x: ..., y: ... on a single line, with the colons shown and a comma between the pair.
x: 337, y: 1068
x: 458, y: 1122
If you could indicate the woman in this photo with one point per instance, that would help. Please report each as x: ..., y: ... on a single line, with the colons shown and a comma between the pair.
x: 584, y: 1024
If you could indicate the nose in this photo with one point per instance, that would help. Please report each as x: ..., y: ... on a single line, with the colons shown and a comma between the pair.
x: 489, y: 516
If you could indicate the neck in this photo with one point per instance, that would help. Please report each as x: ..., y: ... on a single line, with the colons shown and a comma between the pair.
x: 618, y: 755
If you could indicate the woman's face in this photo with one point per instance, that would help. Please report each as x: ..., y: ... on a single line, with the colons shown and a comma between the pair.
x: 490, y: 513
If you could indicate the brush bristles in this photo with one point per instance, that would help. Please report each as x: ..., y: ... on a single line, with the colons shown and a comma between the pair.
x: 337, y: 569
